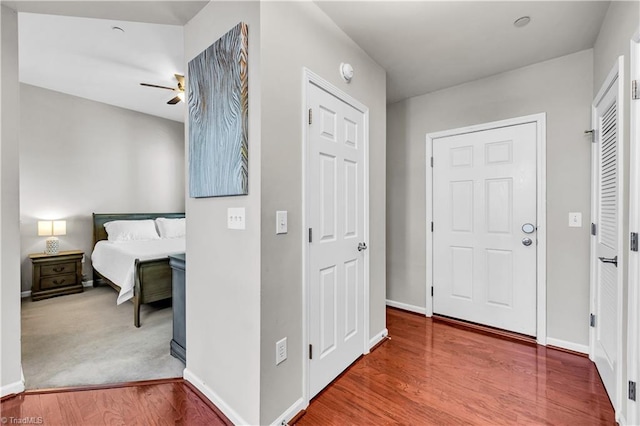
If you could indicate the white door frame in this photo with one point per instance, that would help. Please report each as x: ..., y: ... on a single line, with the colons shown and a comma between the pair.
x: 616, y: 71
x: 309, y: 77
x: 633, y: 314
x: 541, y: 202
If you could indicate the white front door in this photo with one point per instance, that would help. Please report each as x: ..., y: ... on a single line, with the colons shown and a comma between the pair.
x: 336, y: 155
x: 484, y: 237
x: 606, y: 244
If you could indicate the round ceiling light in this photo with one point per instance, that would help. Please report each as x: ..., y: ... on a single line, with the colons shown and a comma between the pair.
x: 522, y: 21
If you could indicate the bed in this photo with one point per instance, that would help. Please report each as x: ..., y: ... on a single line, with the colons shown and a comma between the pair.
x: 137, y: 270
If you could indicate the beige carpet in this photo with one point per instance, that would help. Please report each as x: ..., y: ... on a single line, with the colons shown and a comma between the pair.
x: 86, y: 339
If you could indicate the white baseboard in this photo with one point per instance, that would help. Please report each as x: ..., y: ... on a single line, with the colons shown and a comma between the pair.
x: 231, y: 414
x: 406, y: 307
x: 576, y: 347
x: 284, y: 418
x: 13, y: 388
x: 378, y: 338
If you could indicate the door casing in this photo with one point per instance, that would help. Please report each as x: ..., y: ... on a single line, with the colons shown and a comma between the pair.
x: 633, y: 312
x: 541, y: 190
x: 309, y: 77
x: 616, y: 71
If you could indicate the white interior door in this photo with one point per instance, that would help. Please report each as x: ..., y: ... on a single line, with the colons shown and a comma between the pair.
x: 484, y: 237
x: 606, y: 244
x: 336, y: 155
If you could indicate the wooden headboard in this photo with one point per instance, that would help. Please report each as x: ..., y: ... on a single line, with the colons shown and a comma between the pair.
x: 99, y: 219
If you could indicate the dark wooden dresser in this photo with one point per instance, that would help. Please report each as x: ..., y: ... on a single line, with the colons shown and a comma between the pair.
x: 56, y: 274
x: 178, y: 265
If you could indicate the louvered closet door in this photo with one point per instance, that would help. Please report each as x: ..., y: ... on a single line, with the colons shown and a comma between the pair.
x: 607, y: 203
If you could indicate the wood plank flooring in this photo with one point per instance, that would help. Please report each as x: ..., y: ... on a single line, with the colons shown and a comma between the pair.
x: 427, y: 373
x: 160, y: 403
x: 433, y: 373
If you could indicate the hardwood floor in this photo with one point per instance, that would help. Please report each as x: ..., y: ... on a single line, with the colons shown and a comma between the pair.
x: 156, y: 403
x: 433, y: 373
x: 427, y: 373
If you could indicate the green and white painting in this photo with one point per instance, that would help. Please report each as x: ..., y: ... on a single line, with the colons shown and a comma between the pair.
x: 218, y: 118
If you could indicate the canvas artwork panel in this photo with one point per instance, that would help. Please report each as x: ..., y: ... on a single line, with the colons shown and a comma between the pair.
x: 218, y: 117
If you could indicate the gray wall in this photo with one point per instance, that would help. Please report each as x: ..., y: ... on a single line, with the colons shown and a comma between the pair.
x: 297, y: 35
x: 84, y: 157
x: 10, y: 371
x: 559, y: 87
x: 620, y: 24
x: 223, y: 265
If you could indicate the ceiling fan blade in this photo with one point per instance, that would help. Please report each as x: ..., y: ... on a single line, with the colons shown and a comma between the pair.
x: 159, y: 87
x: 174, y: 100
x: 180, y: 79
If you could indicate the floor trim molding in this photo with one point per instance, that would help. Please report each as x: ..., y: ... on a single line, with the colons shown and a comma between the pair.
x: 378, y: 338
x: 290, y: 413
x: 407, y: 307
x: 12, y: 389
x: 563, y: 344
x: 212, y: 396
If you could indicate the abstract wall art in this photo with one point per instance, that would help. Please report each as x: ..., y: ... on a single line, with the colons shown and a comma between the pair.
x: 218, y: 117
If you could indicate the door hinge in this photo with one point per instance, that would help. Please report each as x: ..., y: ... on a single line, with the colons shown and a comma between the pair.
x: 310, y: 116
x: 310, y: 351
x: 592, y: 320
x: 431, y: 161
x: 632, y: 390
x: 634, y: 241
x: 431, y: 226
x: 431, y: 291
x: 635, y: 91
x: 310, y: 235
x: 593, y: 229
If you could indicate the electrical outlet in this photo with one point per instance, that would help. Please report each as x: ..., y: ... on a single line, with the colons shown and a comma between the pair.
x: 281, y: 350
x: 235, y: 218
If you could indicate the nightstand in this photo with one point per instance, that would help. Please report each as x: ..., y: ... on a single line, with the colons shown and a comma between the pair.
x: 56, y: 274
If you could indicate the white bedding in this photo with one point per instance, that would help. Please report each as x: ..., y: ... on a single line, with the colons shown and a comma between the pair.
x: 116, y: 260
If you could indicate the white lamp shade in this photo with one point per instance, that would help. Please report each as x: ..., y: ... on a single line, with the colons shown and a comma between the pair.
x: 45, y: 228
x: 59, y: 227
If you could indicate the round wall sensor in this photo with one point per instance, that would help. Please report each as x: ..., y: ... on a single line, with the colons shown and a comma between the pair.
x: 346, y: 72
x: 522, y: 21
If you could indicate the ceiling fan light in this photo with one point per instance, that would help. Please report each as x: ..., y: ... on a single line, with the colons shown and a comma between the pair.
x: 181, y: 96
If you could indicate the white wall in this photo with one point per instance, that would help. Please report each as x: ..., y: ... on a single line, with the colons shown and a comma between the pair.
x: 223, y: 265
x: 84, y: 157
x: 621, y: 22
x: 560, y: 87
x: 10, y: 363
x: 297, y: 35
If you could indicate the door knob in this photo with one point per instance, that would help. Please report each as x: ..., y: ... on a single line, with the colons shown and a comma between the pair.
x: 528, y: 228
x: 526, y: 241
x: 362, y: 246
x: 613, y: 260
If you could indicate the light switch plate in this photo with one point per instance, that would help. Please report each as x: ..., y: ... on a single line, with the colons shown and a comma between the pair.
x: 575, y: 220
x: 235, y: 218
x: 281, y: 222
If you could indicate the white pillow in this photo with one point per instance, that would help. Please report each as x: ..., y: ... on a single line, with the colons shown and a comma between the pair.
x: 129, y: 230
x: 171, y: 228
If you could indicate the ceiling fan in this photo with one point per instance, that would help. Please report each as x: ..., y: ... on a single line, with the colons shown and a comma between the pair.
x: 180, y: 89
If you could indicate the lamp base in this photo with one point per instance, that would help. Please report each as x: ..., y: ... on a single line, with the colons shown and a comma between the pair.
x: 53, y: 245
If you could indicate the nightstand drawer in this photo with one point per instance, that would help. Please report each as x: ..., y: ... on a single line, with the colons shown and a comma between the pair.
x: 58, y: 281
x: 58, y: 268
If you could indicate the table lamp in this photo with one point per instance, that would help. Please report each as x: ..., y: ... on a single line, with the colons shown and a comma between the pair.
x: 51, y: 229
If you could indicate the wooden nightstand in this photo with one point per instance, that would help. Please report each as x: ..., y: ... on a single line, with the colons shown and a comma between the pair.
x: 56, y: 274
